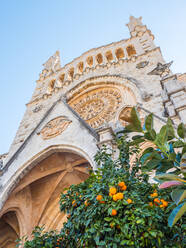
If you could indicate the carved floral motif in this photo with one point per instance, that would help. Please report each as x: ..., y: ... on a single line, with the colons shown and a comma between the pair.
x: 97, y: 106
x: 55, y: 127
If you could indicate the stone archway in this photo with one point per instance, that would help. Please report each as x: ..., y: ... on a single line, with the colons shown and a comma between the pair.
x: 9, y: 230
x: 36, y: 197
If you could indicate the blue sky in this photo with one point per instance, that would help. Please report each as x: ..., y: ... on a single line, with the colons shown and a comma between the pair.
x: 31, y: 31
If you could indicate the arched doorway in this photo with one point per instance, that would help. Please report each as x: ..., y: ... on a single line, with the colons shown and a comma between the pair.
x: 9, y: 230
x: 36, y: 197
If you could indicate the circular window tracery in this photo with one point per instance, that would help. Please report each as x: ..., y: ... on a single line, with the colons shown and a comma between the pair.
x: 97, y: 106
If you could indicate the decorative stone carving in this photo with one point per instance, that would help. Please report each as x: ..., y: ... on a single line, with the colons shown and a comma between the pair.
x: 142, y: 64
x: 134, y: 22
x: 37, y: 109
x: 97, y: 106
x: 53, y: 63
x: 161, y: 70
x: 50, y: 66
x: 55, y: 127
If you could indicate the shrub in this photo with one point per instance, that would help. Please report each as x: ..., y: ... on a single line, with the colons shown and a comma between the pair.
x: 117, y: 206
x: 124, y: 209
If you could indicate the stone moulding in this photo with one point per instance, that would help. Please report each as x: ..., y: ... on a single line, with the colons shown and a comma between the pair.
x: 98, y: 105
x: 55, y: 127
x: 68, y: 84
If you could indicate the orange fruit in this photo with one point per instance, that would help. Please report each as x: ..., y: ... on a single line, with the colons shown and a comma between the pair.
x: 121, y: 184
x: 157, y: 200
x: 87, y: 203
x: 150, y: 204
x: 124, y: 188
x: 114, y: 212
x: 115, y: 198
x: 165, y: 203
x: 112, y: 190
x: 154, y: 195
x: 102, y: 202
x: 129, y: 200
x: 99, y: 197
x: 119, y: 196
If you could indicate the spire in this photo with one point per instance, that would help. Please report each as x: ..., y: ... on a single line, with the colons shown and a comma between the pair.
x: 137, y: 29
x: 134, y: 22
x: 53, y: 63
x: 50, y: 66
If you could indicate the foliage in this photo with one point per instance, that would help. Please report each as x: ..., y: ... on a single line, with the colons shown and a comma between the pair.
x: 41, y: 239
x: 168, y: 158
x: 117, y: 206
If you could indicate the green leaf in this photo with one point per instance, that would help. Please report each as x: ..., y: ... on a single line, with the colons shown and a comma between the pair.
x: 176, y: 214
x: 181, y: 131
x: 169, y: 177
x: 153, y: 134
x: 108, y: 219
x: 153, y: 233
x: 149, y: 122
x: 178, y: 143
x: 130, y: 128
x: 148, y: 136
x: 153, y: 155
x: 137, y: 137
x: 152, y: 164
x: 172, y: 156
x: 184, y: 149
x: 148, y: 150
x: 124, y: 242
x: 161, y: 137
x: 183, y: 163
x: 178, y: 195
x: 136, y: 120
x: 170, y: 129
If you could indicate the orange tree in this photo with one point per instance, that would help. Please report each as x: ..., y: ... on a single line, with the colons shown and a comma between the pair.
x: 118, y: 208
x: 114, y: 207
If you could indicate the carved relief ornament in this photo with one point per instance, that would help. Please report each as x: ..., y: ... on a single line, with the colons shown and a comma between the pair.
x: 55, y: 127
x: 97, y: 106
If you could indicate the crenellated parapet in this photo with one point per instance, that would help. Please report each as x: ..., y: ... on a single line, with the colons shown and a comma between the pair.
x: 54, y: 77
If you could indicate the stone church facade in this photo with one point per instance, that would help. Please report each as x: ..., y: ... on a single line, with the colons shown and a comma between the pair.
x: 72, y: 112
